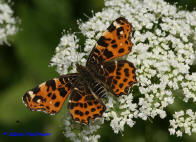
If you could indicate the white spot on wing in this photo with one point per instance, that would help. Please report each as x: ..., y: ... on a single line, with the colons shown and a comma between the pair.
x: 116, y: 24
x: 76, y: 88
x: 121, y: 32
x: 31, y: 94
x: 42, y: 84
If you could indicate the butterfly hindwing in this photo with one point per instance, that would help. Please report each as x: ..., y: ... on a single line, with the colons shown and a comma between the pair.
x: 114, y: 42
x: 84, y: 105
x: 50, y: 95
x: 119, y: 76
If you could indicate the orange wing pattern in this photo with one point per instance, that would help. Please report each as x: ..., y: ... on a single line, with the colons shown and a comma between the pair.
x: 119, y: 76
x: 87, y: 87
x: 84, y: 105
x: 114, y: 42
x: 50, y: 95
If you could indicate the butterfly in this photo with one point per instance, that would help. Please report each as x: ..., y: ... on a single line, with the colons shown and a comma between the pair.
x: 86, y: 89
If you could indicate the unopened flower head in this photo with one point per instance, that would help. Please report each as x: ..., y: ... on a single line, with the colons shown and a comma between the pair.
x: 164, y: 48
x: 7, y: 22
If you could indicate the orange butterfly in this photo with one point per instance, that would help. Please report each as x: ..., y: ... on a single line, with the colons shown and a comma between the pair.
x: 87, y: 87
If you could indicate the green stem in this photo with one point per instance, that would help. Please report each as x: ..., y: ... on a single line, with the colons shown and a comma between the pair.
x: 148, y: 131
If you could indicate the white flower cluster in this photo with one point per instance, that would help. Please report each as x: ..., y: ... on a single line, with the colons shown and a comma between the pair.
x: 183, y: 122
x: 164, y: 48
x: 78, y: 133
x: 7, y: 22
x: 66, y: 55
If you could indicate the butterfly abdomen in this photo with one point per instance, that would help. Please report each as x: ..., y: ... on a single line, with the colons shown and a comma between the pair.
x: 98, y: 89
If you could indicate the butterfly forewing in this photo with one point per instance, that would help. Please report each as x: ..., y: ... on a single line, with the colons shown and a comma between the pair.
x: 114, y: 42
x: 50, y: 95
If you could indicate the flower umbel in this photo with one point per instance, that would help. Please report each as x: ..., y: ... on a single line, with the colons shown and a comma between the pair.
x: 164, y: 48
x: 183, y: 122
x: 7, y: 22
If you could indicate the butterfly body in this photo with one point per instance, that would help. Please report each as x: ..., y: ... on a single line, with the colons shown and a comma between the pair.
x: 86, y: 88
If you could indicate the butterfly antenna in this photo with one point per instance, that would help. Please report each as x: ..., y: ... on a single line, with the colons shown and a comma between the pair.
x: 79, y: 50
x: 77, y: 54
x: 86, y: 15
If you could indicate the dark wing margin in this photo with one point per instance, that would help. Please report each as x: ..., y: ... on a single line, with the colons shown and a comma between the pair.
x: 49, y: 96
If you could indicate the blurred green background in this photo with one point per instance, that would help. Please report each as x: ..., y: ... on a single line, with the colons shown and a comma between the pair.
x: 24, y: 64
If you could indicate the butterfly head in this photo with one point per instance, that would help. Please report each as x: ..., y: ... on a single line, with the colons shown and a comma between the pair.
x: 80, y: 68
x: 83, y: 71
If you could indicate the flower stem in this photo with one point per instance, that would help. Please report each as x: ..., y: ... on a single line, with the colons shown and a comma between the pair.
x: 148, y: 131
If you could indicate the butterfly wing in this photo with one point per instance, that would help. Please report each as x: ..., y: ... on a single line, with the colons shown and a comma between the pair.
x: 114, y: 42
x: 50, y: 95
x: 119, y: 76
x: 84, y: 104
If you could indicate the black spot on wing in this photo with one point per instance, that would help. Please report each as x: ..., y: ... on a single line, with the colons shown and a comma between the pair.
x: 62, y: 91
x: 96, y: 50
x: 120, y: 85
x: 72, y: 105
x: 131, y: 83
x: 89, y: 97
x: 68, y: 85
x: 37, y: 98
x: 109, y: 81
x: 75, y: 96
x: 49, y: 94
x: 102, y: 42
x: 90, y: 103
x: 93, y: 109
x: 78, y: 112
x: 117, y: 77
x: 61, y: 79
x: 95, y: 116
x: 114, y: 46
x: 113, y: 41
x: 111, y: 28
x: 120, y: 20
x: 111, y: 67
x: 108, y: 53
x: 114, y: 81
x: 51, y: 83
x: 26, y: 97
x: 121, y: 50
x: 85, y: 105
x: 118, y: 32
x: 57, y: 104
x: 36, y: 90
x: 126, y: 71
x: 53, y: 97
x: 81, y: 105
x: 87, y: 112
